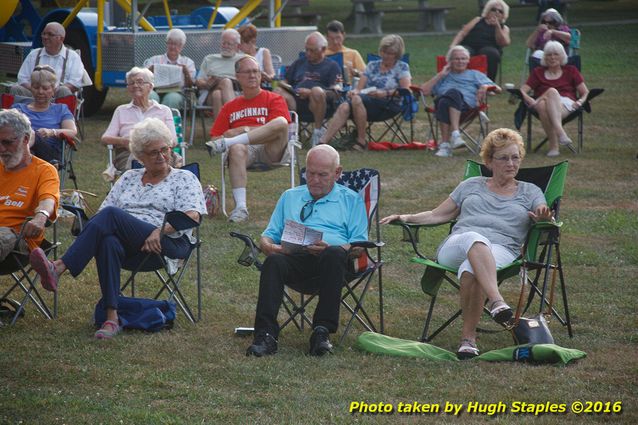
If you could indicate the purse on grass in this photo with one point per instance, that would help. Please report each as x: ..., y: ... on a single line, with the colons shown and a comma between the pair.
x: 532, y: 330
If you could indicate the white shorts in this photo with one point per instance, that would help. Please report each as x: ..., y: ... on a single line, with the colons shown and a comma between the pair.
x: 453, y: 252
x: 568, y: 103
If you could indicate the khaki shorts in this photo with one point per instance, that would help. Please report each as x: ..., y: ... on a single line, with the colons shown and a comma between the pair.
x: 258, y: 158
x: 8, y: 240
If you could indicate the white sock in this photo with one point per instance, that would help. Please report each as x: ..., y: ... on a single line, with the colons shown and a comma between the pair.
x: 241, y: 139
x: 454, y: 134
x: 239, y: 194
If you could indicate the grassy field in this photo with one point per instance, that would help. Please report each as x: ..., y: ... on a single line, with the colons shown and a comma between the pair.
x: 55, y: 373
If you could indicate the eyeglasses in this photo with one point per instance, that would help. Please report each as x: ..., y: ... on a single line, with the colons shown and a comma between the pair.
x: 514, y: 158
x: 50, y: 34
x: 307, y: 209
x: 154, y: 154
x: 7, y: 143
x: 137, y: 83
x: 229, y: 43
x: 313, y: 49
x: 46, y: 68
x: 250, y: 72
x: 495, y: 10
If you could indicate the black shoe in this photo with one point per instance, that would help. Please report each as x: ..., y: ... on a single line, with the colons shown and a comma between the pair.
x: 319, y: 342
x: 264, y: 344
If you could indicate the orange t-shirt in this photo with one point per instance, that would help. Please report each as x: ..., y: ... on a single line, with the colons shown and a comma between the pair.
x: 21, y: 191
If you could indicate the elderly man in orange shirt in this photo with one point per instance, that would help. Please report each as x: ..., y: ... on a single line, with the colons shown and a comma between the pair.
x: 30, y: 188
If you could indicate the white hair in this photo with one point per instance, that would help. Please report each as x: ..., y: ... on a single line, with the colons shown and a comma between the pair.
x: 176, y: 34
x: 148, y: 131
x: 234, y: 33
x: 321, y: 40
x: 492, y: 3
x: 554, y: 47
x: 458, y: 47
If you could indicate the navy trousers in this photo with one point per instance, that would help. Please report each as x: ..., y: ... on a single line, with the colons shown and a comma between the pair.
x: 450, y: 99
x: 113, y: 237
x: 309, y: 274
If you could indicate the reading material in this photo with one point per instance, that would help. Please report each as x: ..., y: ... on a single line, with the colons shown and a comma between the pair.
x: 168, y: 76
x: 296, y: 236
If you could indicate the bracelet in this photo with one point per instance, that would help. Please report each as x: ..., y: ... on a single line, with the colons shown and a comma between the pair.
x: 44, y: 213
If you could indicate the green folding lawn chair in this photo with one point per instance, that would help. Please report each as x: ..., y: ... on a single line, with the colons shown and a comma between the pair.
x: 542, y: 253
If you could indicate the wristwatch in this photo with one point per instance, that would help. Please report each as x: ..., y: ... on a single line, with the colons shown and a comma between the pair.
x: 44, y: 212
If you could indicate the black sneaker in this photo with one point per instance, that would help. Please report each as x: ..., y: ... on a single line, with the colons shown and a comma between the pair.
x: 319, y: 342
x: 264, y: 344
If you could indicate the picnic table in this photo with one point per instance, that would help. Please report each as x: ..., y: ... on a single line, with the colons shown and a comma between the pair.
x: 368, y: 15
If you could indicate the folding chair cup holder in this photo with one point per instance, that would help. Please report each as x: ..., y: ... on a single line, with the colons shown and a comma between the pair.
x: 542, y: 252
x: 366, y: 182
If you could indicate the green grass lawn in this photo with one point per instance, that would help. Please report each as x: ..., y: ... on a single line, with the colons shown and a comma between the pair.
x: 54, y: 372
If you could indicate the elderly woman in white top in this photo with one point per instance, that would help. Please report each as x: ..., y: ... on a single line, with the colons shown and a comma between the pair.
x: 139, y: 83
x: 127, y: 225
x: 493, y: 216
x: 175, y: 41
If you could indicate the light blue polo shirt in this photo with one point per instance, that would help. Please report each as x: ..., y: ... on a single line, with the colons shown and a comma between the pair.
x: 340, y: 215
x: 467, y: 82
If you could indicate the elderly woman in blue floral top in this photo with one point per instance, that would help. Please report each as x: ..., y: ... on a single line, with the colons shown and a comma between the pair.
x: 374, y: 97
x: 127, y: 225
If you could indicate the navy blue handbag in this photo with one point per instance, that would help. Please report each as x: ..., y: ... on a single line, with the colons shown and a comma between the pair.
x: 140, y: 313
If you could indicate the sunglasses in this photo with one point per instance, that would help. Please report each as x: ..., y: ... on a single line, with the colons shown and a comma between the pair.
x: 549, y: 22
x: 496, y: 10
x: 307, y: 209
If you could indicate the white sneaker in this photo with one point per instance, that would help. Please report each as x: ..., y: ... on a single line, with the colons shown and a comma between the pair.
x: 238, y: 215
x: 216, y: 147
x: 552, y: 153
x: 457, y: 141
x: 317, y: 134
x: 445, y: 150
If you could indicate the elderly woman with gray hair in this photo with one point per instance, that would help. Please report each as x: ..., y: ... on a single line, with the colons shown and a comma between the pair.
x: 457, y: 89
x: 139, y: 83
x: 127, y: 225
x: 558, y: 89
x: 48, y: 120
x: 175, y: 41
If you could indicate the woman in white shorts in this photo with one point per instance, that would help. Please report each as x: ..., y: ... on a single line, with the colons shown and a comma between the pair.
x: 493, y: 216
x: 558, y: 90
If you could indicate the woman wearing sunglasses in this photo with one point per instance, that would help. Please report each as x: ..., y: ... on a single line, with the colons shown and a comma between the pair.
x: 551, y: 27
x: 487, y: 35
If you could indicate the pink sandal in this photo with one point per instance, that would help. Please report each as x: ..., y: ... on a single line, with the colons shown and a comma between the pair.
x: 45, y: 268
x: 109, y: 329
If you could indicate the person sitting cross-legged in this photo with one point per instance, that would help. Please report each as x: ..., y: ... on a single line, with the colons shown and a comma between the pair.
x: 128, y: 224
x: 253, y: 128
x: 325, y: 206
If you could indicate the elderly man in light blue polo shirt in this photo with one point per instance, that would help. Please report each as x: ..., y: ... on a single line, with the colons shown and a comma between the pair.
x: 322, y: 205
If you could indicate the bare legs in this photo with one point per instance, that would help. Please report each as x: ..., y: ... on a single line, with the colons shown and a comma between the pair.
x: 447, y: 129
x: 474, y: 288
x: 551, y: 112
x: 316, y: 103
x: 339, y: 119
x: 274, y: 135
x: 222, y: 93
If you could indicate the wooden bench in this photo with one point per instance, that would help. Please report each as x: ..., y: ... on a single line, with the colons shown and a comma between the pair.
x: 368, y: 17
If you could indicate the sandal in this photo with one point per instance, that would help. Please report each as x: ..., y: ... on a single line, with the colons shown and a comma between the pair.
x: 44, y: 268
x: 359, y: 147
x: 109, y: 329
x: 501, y: 312
x: 467, y: 350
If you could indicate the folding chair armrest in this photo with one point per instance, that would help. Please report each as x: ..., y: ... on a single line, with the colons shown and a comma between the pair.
x: 412, y: 229
x: 590, y: 96
x: 516, y: 93
x: 250, y: 253
x: 180, y: 221
x: 72, y: 142
x: 367, y: 244
x: 547, y: 225
x: 76, y: 211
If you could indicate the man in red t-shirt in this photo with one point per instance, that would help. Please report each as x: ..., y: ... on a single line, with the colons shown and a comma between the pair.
x: 250, y: 129
x: 30, y: 188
